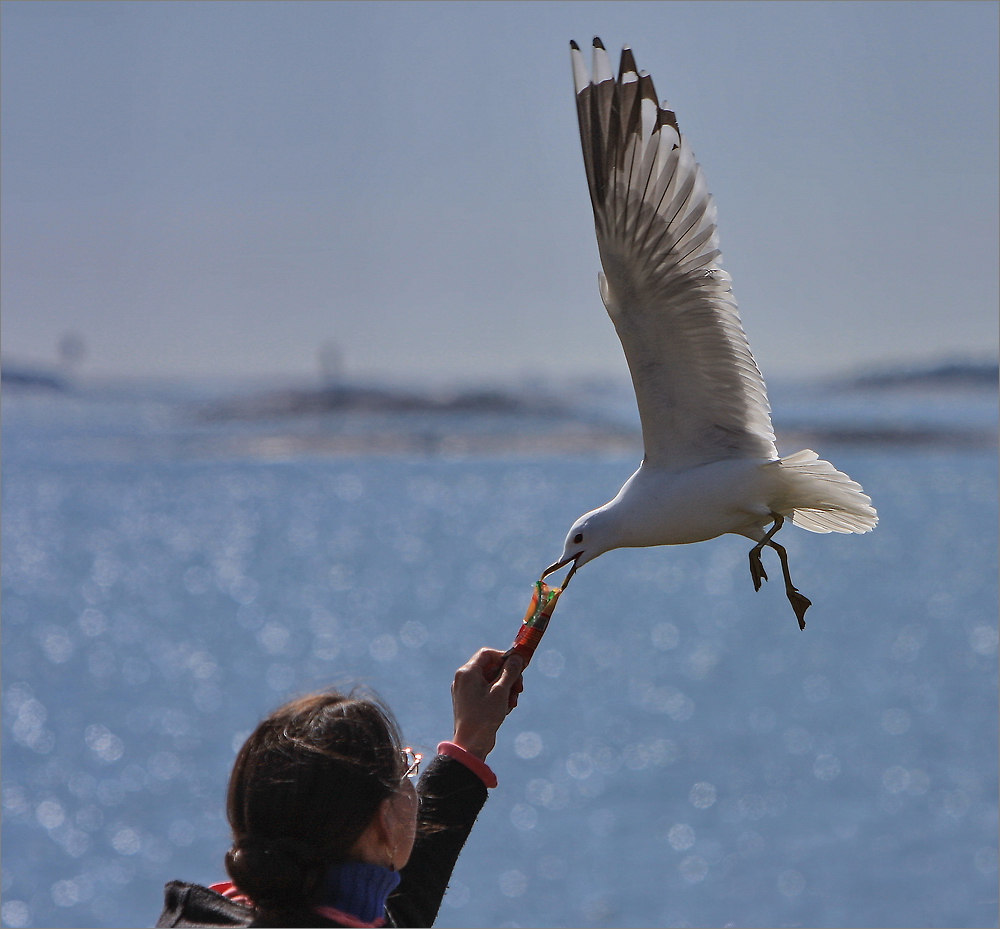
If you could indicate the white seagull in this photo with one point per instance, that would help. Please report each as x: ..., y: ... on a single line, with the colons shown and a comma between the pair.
x: 710, y: 464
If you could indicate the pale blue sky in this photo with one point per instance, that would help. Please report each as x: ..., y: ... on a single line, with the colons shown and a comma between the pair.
x: 219, y: 187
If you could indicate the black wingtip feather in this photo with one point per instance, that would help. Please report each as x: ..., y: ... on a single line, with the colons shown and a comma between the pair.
x: 598, y: 43
x: 627, y: 63
x: 667, y: 117
x: 573, y: 45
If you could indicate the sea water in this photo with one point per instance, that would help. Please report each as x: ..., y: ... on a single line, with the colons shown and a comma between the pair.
x: 682, y: 754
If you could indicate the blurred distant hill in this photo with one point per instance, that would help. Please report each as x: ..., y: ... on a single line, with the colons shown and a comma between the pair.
x: 948, y: 375
x: 367, y: 399
x: 947, y: 404
x: 370, y: 399
x: 27, y: 378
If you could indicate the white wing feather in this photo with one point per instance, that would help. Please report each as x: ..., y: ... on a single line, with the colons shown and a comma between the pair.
x: 701, y: 396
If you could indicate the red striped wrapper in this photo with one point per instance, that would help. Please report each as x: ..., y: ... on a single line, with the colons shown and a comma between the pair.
x: 536, y: 621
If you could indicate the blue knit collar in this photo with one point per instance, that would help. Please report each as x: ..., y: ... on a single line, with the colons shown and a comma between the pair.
x: 358, y: 888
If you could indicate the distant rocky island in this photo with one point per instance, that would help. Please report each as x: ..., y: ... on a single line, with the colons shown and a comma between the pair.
x: 917, y: 407
x: 31, y: 379
x: 963, y: 375
x: 341, y: 398
x: 360, y: 399
x: 349, y: 418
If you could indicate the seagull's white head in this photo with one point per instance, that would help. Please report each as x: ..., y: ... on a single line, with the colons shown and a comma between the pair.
x: 591, y: 535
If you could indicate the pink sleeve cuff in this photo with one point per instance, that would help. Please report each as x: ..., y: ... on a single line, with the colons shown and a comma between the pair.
x: 475, y: 765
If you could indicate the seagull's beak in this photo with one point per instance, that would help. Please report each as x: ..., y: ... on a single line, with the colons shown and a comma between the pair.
x: 562, y: 564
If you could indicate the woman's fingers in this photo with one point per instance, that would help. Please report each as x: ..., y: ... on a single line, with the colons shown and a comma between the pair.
x: 508, y: 679
x: 511, y: 673
x: 482, y: 697
x: 488, y: 660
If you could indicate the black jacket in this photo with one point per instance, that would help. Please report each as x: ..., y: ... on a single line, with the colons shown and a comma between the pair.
x: 451, y: 797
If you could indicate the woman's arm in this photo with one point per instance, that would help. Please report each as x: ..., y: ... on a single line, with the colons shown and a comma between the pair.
x: 452, y: 792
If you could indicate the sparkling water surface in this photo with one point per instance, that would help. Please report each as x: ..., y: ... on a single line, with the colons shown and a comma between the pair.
x: 682, y: 754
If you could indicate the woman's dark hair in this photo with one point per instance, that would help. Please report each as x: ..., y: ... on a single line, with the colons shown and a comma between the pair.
x: 304, y: 787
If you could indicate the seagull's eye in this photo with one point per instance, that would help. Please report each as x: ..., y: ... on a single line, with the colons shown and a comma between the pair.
x: 578, y: 538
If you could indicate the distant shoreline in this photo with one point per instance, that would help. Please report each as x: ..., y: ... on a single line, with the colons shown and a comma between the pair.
x: 283, y: 446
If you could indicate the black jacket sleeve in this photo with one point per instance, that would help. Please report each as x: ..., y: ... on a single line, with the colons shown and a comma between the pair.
x: 451, y: 797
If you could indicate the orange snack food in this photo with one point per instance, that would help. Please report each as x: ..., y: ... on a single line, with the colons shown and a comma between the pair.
x: 536, y: 620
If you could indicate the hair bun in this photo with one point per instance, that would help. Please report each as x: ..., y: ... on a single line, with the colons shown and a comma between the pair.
x: 274, y: 870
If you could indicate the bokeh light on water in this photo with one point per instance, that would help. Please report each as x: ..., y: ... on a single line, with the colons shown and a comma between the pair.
x: 682, y: 754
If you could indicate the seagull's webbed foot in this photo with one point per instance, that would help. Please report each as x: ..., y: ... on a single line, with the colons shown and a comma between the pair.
x: 799, y: 604
x: 757, y: 571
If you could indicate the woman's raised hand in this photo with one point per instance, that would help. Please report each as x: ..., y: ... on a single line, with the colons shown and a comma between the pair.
x: 482, y: 700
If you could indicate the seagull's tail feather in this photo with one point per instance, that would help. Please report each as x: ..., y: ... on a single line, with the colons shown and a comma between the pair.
x: 818, y: 497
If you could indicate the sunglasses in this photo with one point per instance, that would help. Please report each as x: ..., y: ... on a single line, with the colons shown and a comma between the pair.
x: 412, y: 761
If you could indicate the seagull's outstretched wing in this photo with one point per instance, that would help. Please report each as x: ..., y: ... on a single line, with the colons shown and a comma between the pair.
x: 701, y: 397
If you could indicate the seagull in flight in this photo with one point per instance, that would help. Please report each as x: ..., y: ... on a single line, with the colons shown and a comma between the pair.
x: 710, y: 464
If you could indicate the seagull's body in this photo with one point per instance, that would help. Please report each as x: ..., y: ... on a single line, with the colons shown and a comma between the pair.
x: 710, y: 464
x: 662, y: 507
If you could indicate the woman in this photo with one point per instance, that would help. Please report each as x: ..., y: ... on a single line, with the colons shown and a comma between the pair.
x: 328, y: 828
